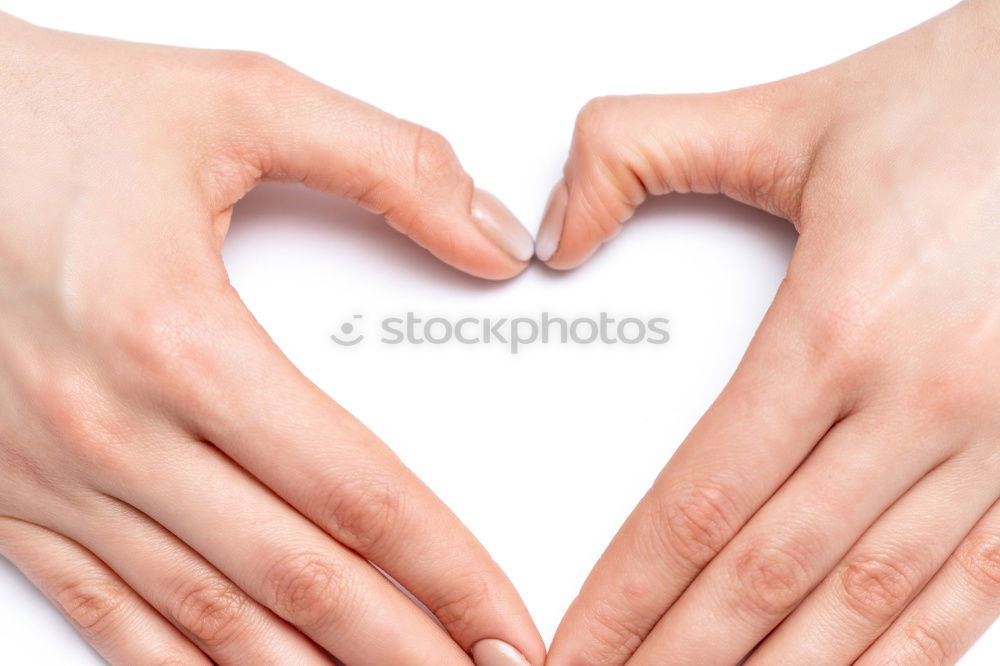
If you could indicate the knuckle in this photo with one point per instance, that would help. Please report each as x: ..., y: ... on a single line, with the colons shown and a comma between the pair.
x: 252, y: 61
x: 67, y: 405
x: 458, y: 612
x: 243, y: 67
x: 230, y: 83
x: 595, y: 119
x: 92, y: 605
x: 363, y: 513
x: 601, y: 205
x: 771, y: 577
x: 419, y: 160
x: 304, y: 588
x: 431, y: 157
x: 175, y: 342
x: 609, y: 177
x: 243, y: 89
x: 980, y: 558
x: 74, y: 412
x: 922, y: 647
x: 173, y: 660
x: 158, y: 337
x: 614, y: 638
x: 875, y: 587
x: 964, y: 390
x: 212, y: 611
x: 695, y: 521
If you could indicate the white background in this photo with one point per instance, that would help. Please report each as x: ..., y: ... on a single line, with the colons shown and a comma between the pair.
x: 543, y: 454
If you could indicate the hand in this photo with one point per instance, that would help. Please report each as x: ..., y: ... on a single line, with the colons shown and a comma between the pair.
x: 170, y: 480
x: 838, y: 502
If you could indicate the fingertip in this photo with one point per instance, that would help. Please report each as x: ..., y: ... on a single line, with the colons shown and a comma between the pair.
x: 489, y: 264
x: 550, y: 231
x: 500, y: 225
x: 485, y: 240
x: 566, y: 260
x: 565, y: 238
x: 495, y: 652
x: 466, y: 248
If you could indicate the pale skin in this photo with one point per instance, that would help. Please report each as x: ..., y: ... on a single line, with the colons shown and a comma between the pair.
x: 170, y: 480
x: 837, y: 504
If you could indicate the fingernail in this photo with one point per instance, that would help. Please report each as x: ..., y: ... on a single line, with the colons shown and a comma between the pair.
x: 501, y: 227
x: 552, y: 222
x: 494, y: 652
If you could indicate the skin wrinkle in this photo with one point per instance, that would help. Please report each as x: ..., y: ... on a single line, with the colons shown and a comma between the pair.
x: 886, y: 163
x: 876, y: 310
x: 143, y: 404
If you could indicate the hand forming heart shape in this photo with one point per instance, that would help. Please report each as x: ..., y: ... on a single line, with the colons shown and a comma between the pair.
x: 837, y: 504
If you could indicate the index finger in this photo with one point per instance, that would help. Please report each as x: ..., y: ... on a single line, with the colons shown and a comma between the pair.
x: 252, y: 403
x: 778, y: 404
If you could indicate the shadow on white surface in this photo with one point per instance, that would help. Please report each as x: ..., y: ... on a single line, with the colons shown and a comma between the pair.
x: 295, y: 209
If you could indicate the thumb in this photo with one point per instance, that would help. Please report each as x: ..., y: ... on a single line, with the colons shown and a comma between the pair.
x: 285, y: 126
x: 750, y: 144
